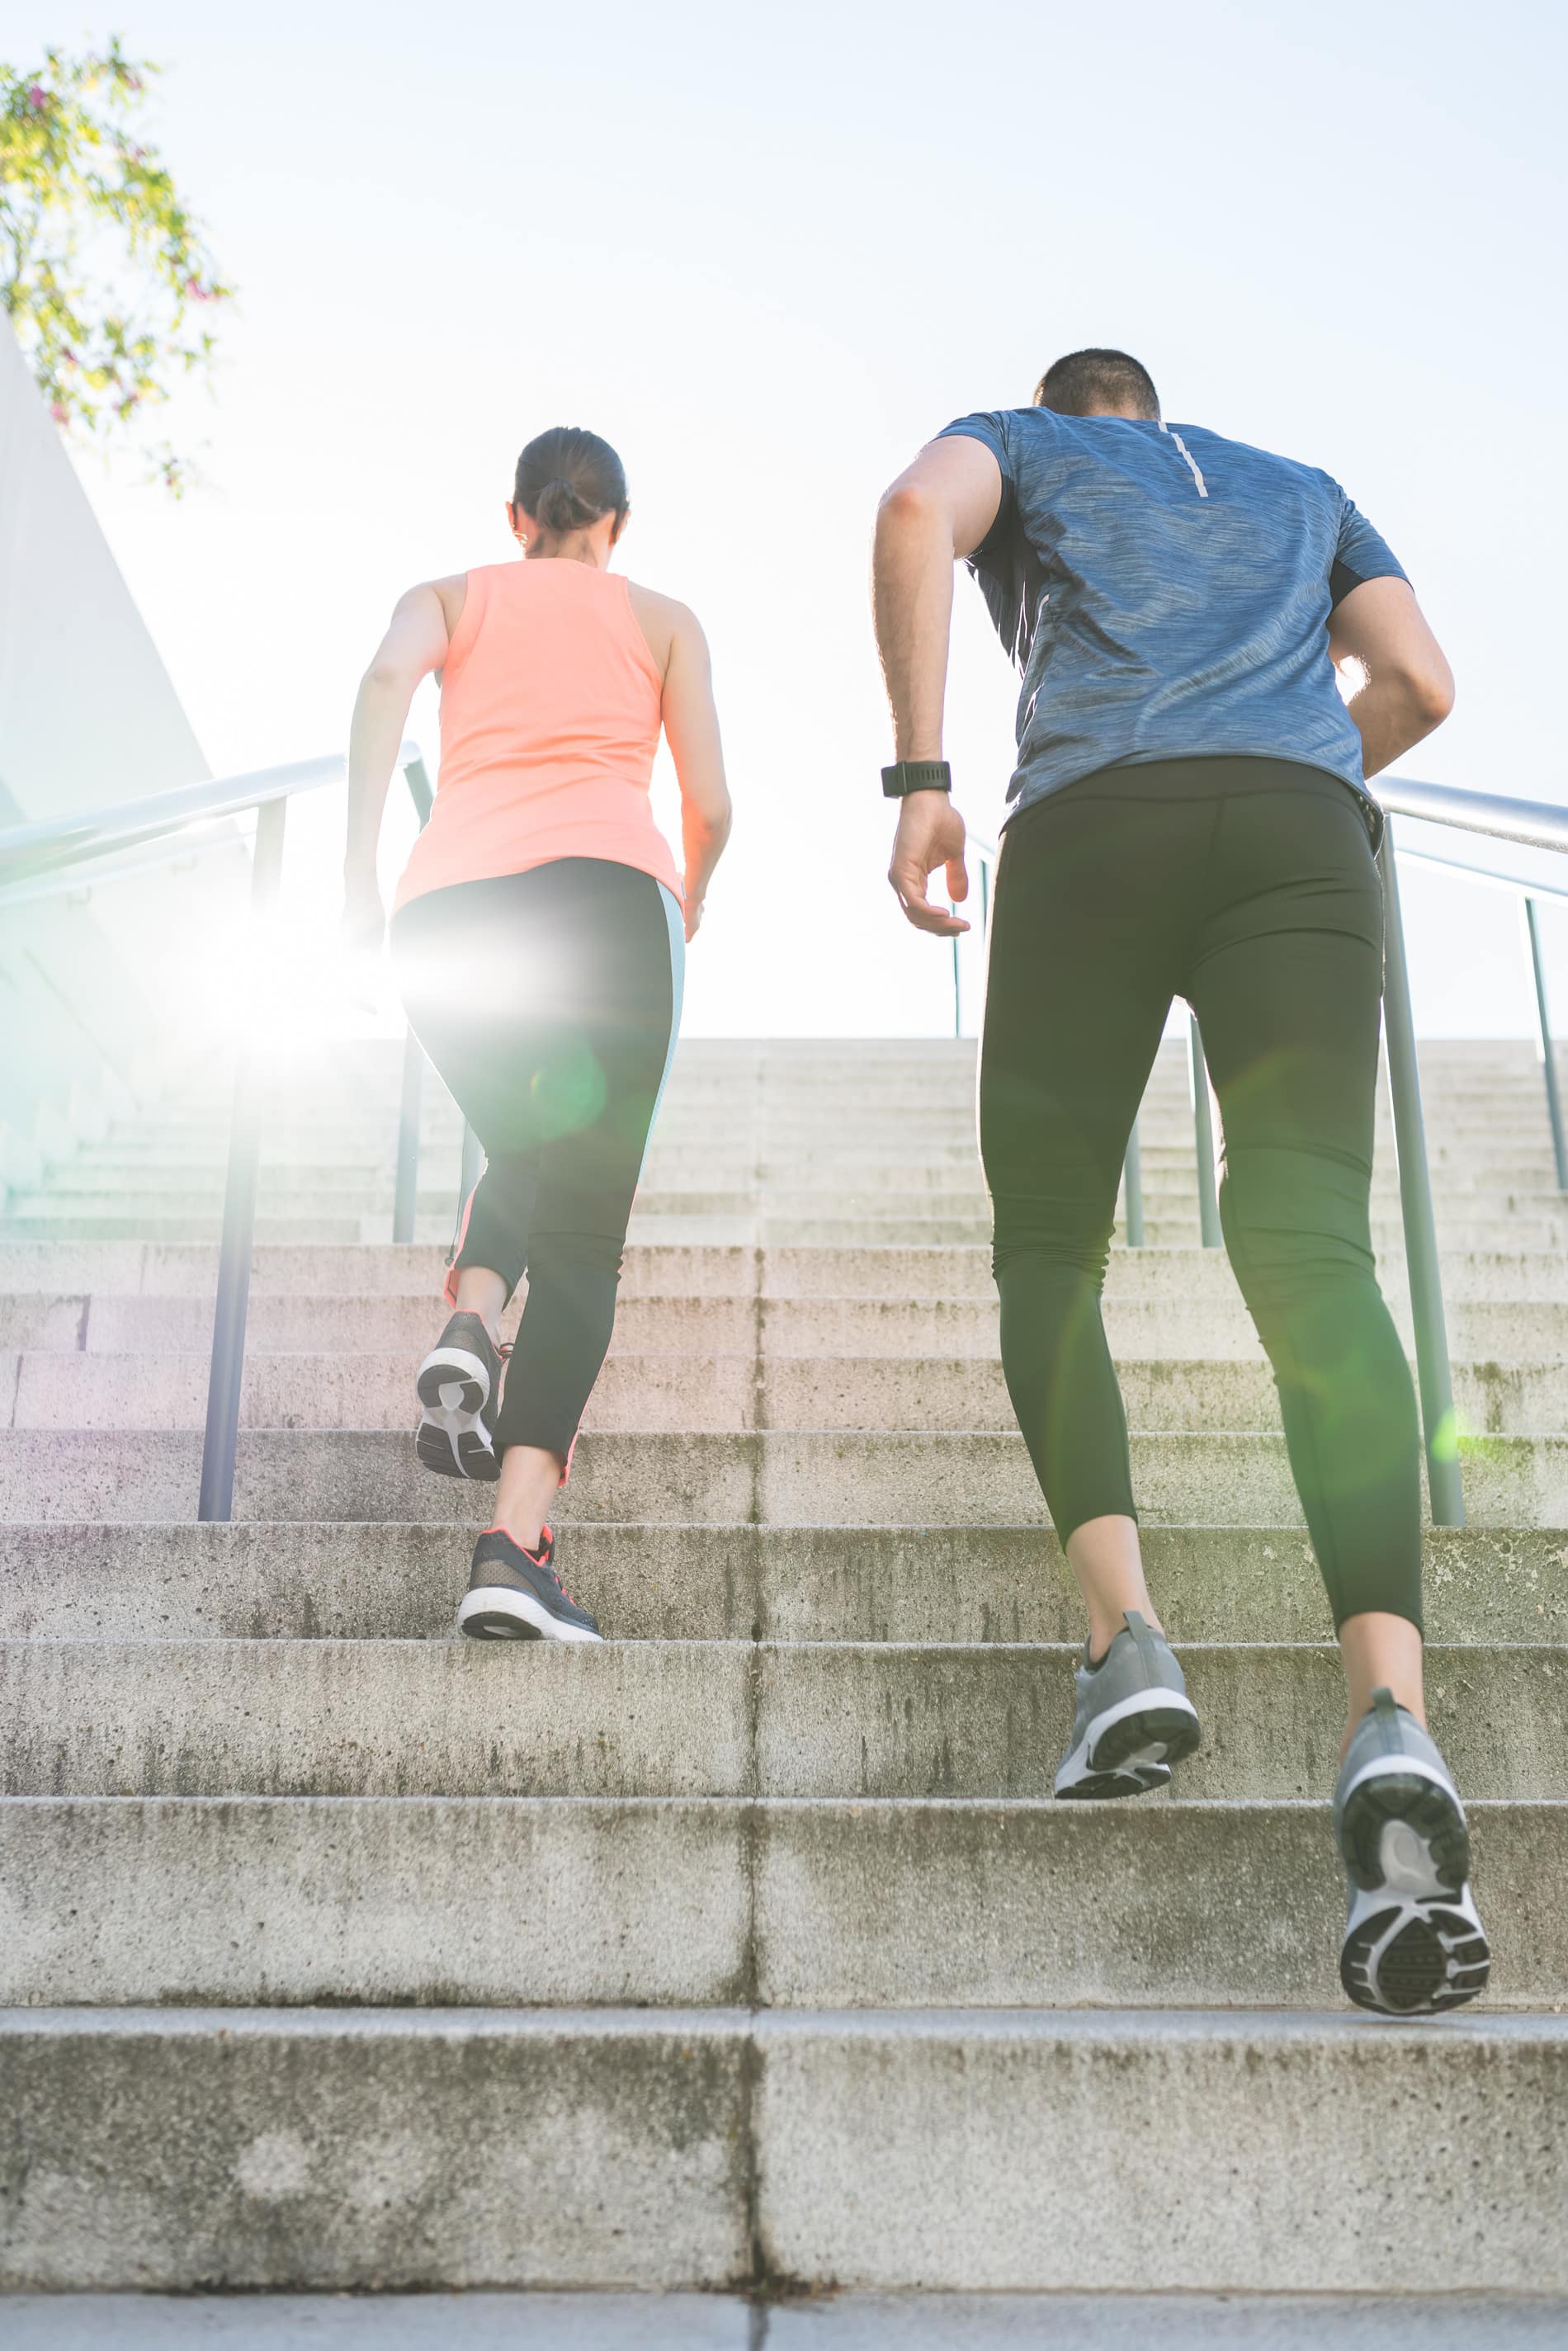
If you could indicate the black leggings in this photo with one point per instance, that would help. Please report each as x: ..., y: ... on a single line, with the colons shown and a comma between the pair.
x: 1247, y: 886
x: 549, y: 1001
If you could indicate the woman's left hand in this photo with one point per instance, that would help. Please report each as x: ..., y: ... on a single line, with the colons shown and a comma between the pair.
x: 365, y: 919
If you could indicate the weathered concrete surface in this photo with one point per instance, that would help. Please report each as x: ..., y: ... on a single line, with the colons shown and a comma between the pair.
x: 818, y: 1718
x: 373, y: 2149
x: 882, y: 1902
x: 905, y: 2322
x: 1185, y: 2322
x: 699, y: 1390
x: 782, y: 1478
x: 1288, y: 2150
x: 400, y: 2148
x: 251, y: 1899
x: 325, y: 1391
x: 680, y: 1269
x: 379, y: 1581
x: 954, y: 1330
x: 1177, y: 1903
x: 328, y: 1718
x: 484, y: 2321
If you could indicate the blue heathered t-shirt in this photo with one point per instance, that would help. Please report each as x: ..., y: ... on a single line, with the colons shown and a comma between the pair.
x: 1165, y: 593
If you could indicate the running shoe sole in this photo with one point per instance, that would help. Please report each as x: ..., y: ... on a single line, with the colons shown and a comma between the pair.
x: 1129, y: 1748
x: 454, y: 1387
x: 497, y: 1613
x: 1414, y: 1945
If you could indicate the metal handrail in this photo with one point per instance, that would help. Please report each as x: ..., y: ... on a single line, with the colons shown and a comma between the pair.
x: 43, y: 860
x: 30, y: 849
x: 1534, y: 823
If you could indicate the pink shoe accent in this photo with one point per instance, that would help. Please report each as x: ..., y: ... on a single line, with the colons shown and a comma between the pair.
x: 538, y: 1557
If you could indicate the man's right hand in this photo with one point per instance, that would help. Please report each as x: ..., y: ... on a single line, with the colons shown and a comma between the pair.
x: 930, y: 833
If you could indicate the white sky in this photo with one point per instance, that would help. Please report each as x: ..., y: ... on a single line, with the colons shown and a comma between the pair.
x: 767, y: 255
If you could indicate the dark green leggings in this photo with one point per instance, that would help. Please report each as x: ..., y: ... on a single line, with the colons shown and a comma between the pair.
x: 1247, y: 886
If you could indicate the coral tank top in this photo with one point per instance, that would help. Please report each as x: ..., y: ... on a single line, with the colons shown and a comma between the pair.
x: 549, y: 721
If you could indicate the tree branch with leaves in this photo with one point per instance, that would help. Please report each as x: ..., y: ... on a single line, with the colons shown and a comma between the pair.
x: 105, y: 275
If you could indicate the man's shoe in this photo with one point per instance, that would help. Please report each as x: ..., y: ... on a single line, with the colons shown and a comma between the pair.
x: 1133, y: 1720
x: 459, y: 1389
x: 515, y: 1594
x: 1414, y: 1945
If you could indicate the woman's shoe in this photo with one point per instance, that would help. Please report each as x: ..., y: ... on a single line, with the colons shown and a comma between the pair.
x: 1132, y: 1719
x: 515, y: 1594
x: 1414, y: 1943
x: 459, y: 1389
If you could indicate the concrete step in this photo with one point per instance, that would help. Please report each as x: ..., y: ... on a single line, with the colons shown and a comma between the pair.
x: 1494, y: 1235
x: 777, y: 1478
x: 955, y: 1330
x: 958, y: 1329
x: 295, y: 1580
x: 1195, y: 1277
x: 165, y: 2148
x: 50, y: 1388
x: 520, y: 1901
x: 694, y: 1719
x: 806, y: 1169
x: 861, y: 1192
x: 502, y: 2320
x: 134, y: 1268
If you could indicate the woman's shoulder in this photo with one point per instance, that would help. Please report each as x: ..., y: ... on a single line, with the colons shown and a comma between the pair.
x: 664, y: 620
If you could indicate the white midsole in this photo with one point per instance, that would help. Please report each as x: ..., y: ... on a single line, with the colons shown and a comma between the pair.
x: 1369, y: 1900
x: 501, y: 1600
x: 1079, y: 1764
x: 454, y: 1422
x: 1404, y: 1767
x: 456, y: 1363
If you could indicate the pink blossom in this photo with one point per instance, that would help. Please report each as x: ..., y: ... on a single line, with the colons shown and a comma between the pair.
x: 37, y: 97
x: 56, y: 410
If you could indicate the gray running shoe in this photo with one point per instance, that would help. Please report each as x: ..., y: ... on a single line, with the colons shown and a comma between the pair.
x: 1414, y: 1945
x: 1133, y: 1720
x: 459, y: 1389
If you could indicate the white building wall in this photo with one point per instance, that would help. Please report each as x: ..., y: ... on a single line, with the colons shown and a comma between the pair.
x: 88, y: 716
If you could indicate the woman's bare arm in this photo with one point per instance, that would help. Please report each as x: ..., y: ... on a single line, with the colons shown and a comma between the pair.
x: 691, y: 726
x: 416, y: 644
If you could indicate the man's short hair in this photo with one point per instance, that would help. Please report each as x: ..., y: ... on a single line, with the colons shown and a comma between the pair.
x: 1086, y: 383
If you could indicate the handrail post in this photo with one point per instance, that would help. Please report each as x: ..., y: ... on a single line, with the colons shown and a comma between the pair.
x: 1548, y: 1057
x: 405, y: 1191
x: 406, y: 1196
x: 221, y: 1442
x: 1203, y: 1138
x: 470, y: 1172
x: 1444, y: 1489
x: 1133, y: 1189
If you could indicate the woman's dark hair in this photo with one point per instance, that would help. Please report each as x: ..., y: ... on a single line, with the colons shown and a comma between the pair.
x: 568, y: 478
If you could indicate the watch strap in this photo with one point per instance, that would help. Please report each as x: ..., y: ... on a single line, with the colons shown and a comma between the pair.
x: 907, y: 775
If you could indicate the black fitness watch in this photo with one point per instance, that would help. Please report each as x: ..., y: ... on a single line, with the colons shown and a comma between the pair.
x: 916, y: 776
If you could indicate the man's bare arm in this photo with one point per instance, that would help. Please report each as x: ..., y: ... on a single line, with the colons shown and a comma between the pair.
x: 938, y: 510
x: 1402, y: 686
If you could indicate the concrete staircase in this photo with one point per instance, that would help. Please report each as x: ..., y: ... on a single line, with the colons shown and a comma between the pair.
x: 748, y: 1951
